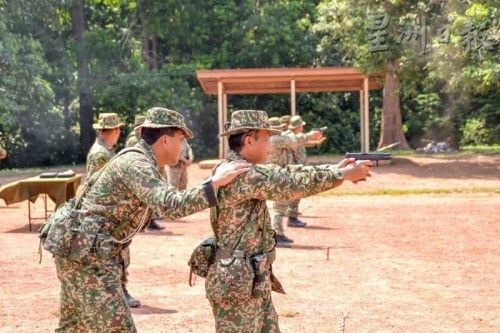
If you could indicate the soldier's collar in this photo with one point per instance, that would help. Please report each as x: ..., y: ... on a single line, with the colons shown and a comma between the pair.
x: 103, y: 143
x: 233, y: 156
x: 148, y: 151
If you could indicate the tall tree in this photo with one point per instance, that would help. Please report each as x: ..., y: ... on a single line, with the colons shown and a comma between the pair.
x: 85, y: 97
x: 376, y: 36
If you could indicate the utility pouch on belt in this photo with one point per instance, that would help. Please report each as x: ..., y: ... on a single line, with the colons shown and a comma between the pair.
x: 202, y: 258
x: 232, y: 279
x: 69, y: 232
x: 262, y: 266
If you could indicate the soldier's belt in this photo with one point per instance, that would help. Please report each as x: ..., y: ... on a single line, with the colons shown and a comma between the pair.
x: 221, y: 254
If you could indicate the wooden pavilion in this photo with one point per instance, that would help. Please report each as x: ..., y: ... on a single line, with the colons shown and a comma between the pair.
x: 226, y: 82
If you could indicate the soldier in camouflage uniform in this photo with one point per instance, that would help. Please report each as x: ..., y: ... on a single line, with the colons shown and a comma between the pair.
x: 108, y: 127
x: 121, y: 197
x: 285, y: 121
x: 135, y: 135
x: 3, y: 152
x: 178, y: 173
x: 281, y: 153
x: 243, y: 228
x: 108, y: 132
x: 299, y: 156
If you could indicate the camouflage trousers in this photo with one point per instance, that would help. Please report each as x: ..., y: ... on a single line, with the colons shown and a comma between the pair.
x: 280, y: 209
x: 92, y: 298
x: 254, y: 316
x: 178, y: 176
x: 125, y: 262
x: 293, y: 208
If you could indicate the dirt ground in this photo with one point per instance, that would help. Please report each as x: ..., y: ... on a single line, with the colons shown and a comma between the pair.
x: 421, y: 253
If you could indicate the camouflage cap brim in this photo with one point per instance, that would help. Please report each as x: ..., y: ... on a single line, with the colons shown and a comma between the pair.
x: 303, y: 123
x: 99, y: 126
x: 246, y: 129
x: 187, y: 131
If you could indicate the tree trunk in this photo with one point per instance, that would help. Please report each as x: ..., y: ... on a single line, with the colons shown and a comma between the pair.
x: 147, y: 53
x: 86, y: 113
x: 154, y: 52
x: 392, y: 125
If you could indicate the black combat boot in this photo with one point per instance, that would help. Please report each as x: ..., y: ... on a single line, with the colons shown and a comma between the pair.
x: 294, y: 222
x: 281, y: 241
x: 132, y: 302
x: 153, y: 225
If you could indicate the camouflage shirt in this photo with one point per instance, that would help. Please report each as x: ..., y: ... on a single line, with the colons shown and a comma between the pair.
x: 244, y: 199
x: 132, y: 139
x: 299, y: 153
x: 130, y: 183
x: 98, y: 156
x: 283, y: 147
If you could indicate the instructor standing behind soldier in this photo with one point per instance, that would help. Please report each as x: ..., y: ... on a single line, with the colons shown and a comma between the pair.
x: 121, y: 197
x: 239, y: 283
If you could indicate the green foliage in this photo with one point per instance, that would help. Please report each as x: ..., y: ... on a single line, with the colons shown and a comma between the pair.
x: 445, y: 92
x: 475, y: 132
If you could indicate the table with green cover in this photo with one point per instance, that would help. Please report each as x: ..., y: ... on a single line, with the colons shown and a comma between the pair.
x: 59, y: 190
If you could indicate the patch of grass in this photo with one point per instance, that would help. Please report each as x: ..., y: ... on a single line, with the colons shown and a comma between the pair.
x: 421, y: 191
x: 484, y: 149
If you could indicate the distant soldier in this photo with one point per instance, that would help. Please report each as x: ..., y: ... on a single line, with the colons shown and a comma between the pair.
x: 239, y: 283
x: 178, y: 173
x: 120, y: 200
x: 108, y: 131
x: 285, y: 121
x: 295, y: 129
x: 3, y: 152
x: 135, y: 135
x: 281, y: 153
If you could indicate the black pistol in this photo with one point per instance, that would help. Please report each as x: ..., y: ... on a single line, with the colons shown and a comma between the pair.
x: 369, y: 156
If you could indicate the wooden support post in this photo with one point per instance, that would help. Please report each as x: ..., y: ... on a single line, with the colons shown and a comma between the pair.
x: 366, y: 110
x: 220, y: 105
x: 293, y: 107
x: 361, y: 119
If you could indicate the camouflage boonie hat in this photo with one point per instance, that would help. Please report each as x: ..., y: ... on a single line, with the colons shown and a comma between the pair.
x: 248, y: 120
x: 161, y: 117
x: 295, y: 122
x: 285, y: 119
x: 139, y: 120
x: 275, y: 123
x: 108, y: 121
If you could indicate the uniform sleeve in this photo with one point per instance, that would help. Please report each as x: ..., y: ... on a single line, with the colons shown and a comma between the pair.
x: 284, y: 142
x: 303, y: 138
x: 271, y: 182
x: 151, y: 188
x: 96, y: 162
